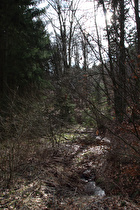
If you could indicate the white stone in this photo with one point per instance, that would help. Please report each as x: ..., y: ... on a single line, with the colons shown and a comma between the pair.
x: 99, y: 192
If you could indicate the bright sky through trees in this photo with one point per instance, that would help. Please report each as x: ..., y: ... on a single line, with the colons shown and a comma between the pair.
x: 86, y: 11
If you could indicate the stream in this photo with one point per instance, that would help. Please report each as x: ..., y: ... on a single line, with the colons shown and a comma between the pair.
x: 90, y: 187
x: 88, y: 178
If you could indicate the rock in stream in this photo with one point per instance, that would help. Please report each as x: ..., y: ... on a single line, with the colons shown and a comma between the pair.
x: 92, y: 189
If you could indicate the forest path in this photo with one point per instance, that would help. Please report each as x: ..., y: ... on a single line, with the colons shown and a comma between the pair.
x: 64, y: 176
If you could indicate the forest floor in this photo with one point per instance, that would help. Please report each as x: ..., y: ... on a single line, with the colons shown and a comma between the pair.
x: 56, y: 177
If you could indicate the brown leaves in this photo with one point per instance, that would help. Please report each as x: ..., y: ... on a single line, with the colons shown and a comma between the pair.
x: 97, y: 132
x: 131, y: 170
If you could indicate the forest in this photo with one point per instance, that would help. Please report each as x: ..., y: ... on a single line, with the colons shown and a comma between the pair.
x: 70, y: 104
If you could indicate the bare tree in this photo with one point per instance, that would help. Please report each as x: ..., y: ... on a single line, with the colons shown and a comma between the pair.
x: 64, y: 27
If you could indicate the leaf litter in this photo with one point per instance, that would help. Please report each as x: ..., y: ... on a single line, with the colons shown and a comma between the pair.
x: 55, y: 178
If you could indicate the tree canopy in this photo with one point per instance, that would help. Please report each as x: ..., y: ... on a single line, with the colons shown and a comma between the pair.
x: 24, y: 44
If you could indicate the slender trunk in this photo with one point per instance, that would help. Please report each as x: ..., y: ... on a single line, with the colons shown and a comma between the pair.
x: 76, y: 55
x: 64, y: 48
x: 84, y: 49
x: 117, y: 99
x: 112, y: 76
x: 63, y: 39
x: 122, y: 71
x: 69, y: 45
x: 136, y: 2
x: 119, y: 83
x: 136, y: 109
x: 101, y: 60
x: 4, y: 42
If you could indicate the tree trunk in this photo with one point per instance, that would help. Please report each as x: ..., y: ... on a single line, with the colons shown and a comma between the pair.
x: 122, y: 73
x: 136, y: 108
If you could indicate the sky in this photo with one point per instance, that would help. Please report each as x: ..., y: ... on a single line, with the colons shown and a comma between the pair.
x: 85, y: 15
x: 86, y: 9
